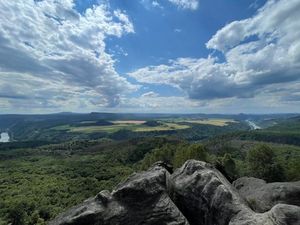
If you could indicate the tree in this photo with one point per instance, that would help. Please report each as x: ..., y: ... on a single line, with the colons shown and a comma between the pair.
x: 194, y: 151
x: 229, y: 166
x: 17, y: 215
x: 262, y: 164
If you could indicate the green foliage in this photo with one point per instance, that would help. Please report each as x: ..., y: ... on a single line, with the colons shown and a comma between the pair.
x: 175, y: 154
x: 23, y: 213
x: 229, y: 166
x: 164, y: 153
x: 262, y: 164
x: 143, y: 147
x: 194, y: 151
x: 38, y: 183
x: 17, y: 215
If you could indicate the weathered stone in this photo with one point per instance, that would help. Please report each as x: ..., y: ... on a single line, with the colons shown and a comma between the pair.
x: 263, y: 196
x: 204, y: 195
x: 280, y: 214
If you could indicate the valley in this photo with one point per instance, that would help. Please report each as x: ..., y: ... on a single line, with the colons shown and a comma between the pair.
x: 56, y: 161
x: 149, y: 112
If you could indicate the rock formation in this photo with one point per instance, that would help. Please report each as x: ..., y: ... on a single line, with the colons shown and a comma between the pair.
x: 262, y: 196
x: 195, y: 194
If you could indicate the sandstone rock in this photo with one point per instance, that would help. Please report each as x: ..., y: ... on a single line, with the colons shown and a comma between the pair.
x: 204, y: 195
x: 280, y: 214
x: 263, y: 196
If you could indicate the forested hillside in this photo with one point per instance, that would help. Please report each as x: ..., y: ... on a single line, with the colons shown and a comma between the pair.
x: 40, y: 182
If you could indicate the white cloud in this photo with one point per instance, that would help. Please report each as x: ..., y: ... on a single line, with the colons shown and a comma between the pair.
x: 150, y: 94
x: 186, y: 4
x: 150, y: 4
x: 155, y: 4
x: 56, y: 54
x: 152, y: 102
x: 260, y: 52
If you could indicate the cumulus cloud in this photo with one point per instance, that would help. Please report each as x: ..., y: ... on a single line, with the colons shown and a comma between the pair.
x: 51, y: 54
x: 199, y: 78
x: 260, y: 52
x: 186, y: 4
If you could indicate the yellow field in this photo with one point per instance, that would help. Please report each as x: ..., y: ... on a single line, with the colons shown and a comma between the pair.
x: 214, y: 122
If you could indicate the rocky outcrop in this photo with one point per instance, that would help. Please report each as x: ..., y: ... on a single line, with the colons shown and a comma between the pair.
x: 204, y: 195
x: 142, y: 199
x: 195, y: 194
x: 262, y: 196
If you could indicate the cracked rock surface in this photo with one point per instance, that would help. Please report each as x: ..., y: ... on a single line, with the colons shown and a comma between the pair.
x: 195, y: 194
x: 263, y: 196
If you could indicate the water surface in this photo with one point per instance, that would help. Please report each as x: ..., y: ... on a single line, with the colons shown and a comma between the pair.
x: 4, y: 137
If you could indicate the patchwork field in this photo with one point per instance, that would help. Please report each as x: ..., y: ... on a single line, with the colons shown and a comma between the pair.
x: 162, y: 127
x: 87, y: 127
x: 214, y: 122
x: 136, y: 126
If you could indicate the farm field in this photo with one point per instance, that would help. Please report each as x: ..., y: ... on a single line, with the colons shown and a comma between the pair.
x: 128, y: 122
x: 214, y: 122
x: 135, y: 126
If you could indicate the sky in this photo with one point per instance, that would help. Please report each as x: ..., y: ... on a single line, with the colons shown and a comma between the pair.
x: 150, y: 56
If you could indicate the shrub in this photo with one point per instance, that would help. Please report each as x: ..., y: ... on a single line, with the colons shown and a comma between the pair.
x: 262, y: 164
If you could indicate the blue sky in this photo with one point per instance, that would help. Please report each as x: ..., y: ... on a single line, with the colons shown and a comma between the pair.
x: 169, y: 32
x: 180, y: 56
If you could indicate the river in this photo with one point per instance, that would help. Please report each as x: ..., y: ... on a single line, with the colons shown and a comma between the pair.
x: 253, y: 125
x: 4, y: 137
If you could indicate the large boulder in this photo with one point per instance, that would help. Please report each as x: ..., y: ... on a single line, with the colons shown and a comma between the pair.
x: 204, y: 195
x: 280, y: 214
x: 263, y: 196
x: 195, y: 194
